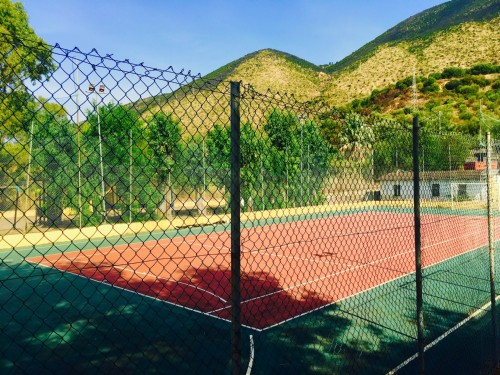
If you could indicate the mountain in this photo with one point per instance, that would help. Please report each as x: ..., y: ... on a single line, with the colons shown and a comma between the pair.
x: 465, y: 100
x: 457, y: 33
x: 265, y: 70
x: 424, y: 25
x: 274, y: 70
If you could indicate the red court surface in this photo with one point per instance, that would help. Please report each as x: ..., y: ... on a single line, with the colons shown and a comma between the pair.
x: 287, y: 269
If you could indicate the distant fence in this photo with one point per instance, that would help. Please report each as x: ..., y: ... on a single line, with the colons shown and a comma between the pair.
x: 153, y: 220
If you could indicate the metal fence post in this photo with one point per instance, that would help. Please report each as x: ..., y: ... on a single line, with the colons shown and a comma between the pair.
x: 235, y: 229
x: 491, y: 243
x: 418, y: 247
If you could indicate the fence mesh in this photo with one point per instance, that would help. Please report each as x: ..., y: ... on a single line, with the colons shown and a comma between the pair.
x: 117, y: 222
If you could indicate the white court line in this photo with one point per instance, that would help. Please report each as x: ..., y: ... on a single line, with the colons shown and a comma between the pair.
x: 252, y: 355
x: 319, y: 279
x: 150, y: 275
x: 482, y: 309
x: 128, y: 247
x: 142, y: 295
x: 286, y: 320
x: 313, y: 260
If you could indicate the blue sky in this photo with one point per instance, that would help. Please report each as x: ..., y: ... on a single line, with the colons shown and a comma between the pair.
x: 201, y: 35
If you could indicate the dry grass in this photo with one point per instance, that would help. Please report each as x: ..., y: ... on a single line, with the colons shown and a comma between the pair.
x: 464, y: 46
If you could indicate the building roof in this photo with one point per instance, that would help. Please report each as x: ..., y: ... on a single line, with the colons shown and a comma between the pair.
x: 457, y: 175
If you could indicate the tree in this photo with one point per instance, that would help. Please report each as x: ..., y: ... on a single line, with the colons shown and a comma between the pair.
x: 195, y: 173
x: 128, y: 173
x: 164, y: 135
x: 219, y: 154
x: 252, y: 146
x: 281, y: 129
x: 299, y: 158
x: 54, y: 152
x: 356, y: 137
x: 23, y: 56
x: 315, y: 157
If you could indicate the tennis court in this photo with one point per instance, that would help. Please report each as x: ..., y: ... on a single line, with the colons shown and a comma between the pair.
x: 288, y: 269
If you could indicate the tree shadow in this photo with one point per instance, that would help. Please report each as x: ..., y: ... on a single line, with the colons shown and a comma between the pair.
x: 56, y: 322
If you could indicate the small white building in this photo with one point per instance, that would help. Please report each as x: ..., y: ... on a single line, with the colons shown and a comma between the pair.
x: 438, y: 185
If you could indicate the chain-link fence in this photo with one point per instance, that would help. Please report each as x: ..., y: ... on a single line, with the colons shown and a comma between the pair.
x: 154, y: 221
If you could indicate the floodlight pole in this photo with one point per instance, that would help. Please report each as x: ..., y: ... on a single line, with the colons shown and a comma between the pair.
x: 92, y: 90
x: 204, y: 152
x: 79, y: 148
x: 130, y: 179
x: 102, y: 167
x: 301, y: 119
x: 77, y: 89
x: 29, y: 164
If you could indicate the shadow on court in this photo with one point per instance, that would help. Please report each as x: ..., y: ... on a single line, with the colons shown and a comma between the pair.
x: 56, y: 322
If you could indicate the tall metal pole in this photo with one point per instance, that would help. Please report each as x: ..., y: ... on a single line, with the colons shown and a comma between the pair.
x: 29, y: 164
x: 418, y: 247
x: 262, y: 182
x: 79, y: 148
x: 286, y: 167
x: 204, y: 166
x: 308, y: 177
x: 491, y: 243
x: 130, y: 180
x: 102, y: 166
x: 301, y: 162
x: 204, y: 191
x: 235, y: 230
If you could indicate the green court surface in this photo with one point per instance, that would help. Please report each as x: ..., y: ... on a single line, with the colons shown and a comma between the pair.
x: 55, y: 322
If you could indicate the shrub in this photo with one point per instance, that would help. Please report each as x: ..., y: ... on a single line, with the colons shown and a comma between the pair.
x: 453, y: 72
x: 465, y: 116
x: 453, y: 84
x: 484, y: 69
x: 404, y: 83
x: 434, y: 87
x: 468, y: 89
x: 435, y: 76
x: 496, y: 85
x: 481, y: 81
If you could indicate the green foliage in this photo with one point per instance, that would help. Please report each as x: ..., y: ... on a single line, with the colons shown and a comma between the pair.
x: 442, y: 152
x: 24, y: 57
x: 439, y: 152
x: 55, y: 149
x: 405, y: 83
x: 391, y: 151
x: 355, y: 137
x: 128, y: 163
x: 164, y: 135
x: 436, y: 76
x: 453, y: 84
x: 453, y: 72
x: 484, y: 69
x: 285, y: 165
x: 429, y: 85
x: 468, y: 89
x: 279, y: 127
